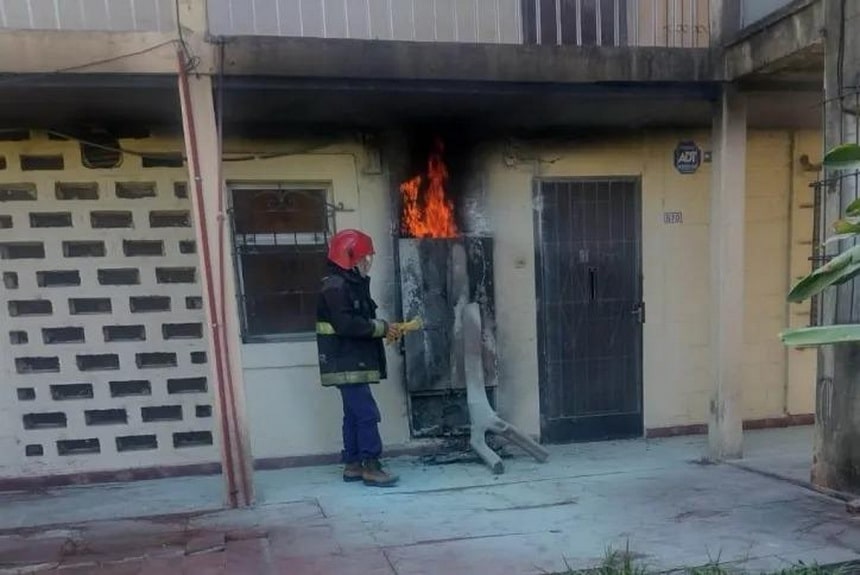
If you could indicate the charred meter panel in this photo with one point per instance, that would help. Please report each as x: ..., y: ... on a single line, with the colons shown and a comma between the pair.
x: 432, y: 282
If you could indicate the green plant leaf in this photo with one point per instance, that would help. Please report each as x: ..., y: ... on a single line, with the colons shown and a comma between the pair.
x: 853, y: 208
x: 839, y: 238
x: 850, y: 225
x: 820, y: 335
x: 843, y: 157
x: 837, y: 271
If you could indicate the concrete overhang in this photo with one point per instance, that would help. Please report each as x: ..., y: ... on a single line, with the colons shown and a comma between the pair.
x: 284, y: 103
x: 294, y: 82
x: 91, y: 52
x: 50, y: 51
x: 273, y: 106
x: 118, y: 102
x: 361, y: 59
x: 485, y: 107
x: 786, y: 47
x: 276, y: 83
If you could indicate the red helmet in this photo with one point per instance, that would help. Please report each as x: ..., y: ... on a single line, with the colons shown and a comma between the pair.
x: 348, y: 247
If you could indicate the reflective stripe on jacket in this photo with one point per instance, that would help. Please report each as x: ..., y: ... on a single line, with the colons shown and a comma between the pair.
x: 349, y: 337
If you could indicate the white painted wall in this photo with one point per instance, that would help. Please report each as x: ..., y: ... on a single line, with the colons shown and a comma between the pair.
x: 289, y: 413
x: 13, y: 436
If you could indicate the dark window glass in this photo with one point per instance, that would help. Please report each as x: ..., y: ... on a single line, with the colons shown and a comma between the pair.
x: 280, y: 237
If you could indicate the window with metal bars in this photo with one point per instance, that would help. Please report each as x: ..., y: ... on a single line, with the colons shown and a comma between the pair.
x: 666, y: 23
x: 280, y: 238
x: 817, y: 255
x: 838, y: 188
x: 575, y: 22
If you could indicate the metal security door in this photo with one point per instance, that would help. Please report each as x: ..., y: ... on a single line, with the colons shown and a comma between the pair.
x: 590, y: 310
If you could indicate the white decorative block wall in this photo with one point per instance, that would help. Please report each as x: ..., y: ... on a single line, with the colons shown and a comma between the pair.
x: 103, y: 351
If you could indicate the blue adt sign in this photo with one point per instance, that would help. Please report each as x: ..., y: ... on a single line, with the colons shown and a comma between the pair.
x: 688, y: 157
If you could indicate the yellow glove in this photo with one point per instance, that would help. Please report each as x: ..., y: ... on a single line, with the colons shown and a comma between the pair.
x: 402, y: 328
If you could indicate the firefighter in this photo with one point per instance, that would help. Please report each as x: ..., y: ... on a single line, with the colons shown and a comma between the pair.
x: 350, y: 340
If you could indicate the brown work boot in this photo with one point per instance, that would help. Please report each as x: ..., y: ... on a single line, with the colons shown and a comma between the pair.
x: 375, y: 476
x: 353, y: 472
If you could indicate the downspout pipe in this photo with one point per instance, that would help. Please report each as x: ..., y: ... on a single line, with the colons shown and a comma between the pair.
x: 214, y: 328
x: 246, y: 488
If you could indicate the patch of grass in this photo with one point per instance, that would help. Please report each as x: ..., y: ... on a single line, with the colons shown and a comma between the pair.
x: 615, y: 563
x: 816, y: 570
x: 625, y: 563
x: 707, y: 570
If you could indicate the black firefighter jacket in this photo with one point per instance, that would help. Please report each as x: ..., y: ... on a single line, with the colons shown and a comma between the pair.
x: 349, y: 337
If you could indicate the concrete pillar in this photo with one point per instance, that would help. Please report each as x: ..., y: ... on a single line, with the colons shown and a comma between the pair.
x: 208, y: 195
x: 728, y: 190
x: 836, y: 460
x: 206, y: 188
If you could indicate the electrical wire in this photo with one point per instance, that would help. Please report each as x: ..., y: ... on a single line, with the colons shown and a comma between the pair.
x: 191, y: 61
x: 9, y: 79
x: 161, y: 155
x: 105, y: 147
x: 272, y: 155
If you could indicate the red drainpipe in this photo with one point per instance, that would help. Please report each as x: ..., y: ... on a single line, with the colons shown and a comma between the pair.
x: 224, y: 384
x: 243, y: 475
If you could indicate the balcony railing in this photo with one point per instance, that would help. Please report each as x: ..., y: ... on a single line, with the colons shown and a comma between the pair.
x: 116, y: 15
x: 668, y: 23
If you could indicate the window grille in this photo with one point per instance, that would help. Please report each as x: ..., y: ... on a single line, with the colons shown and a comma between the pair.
x: 280, y: 239
x: 665, y: 23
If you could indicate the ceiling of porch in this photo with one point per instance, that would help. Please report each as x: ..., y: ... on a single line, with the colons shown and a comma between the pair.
x: 272, y: 106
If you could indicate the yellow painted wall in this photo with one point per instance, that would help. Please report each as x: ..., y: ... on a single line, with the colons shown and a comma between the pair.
x: 766, y: 272
x: 675, y: 266
x: 779, y: 215
x: 290, y: 414
x: 675, y: 269
x: 802, y: 363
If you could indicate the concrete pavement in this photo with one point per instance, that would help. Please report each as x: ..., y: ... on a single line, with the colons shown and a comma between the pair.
x: 658, y: 497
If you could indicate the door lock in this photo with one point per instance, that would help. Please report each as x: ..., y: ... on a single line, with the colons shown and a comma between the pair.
x: 639, y: 311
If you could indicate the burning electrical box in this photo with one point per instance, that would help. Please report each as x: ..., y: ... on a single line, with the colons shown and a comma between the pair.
x: 439, y: 269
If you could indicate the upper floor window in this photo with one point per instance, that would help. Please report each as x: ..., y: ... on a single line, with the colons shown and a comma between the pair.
x: 280, y: 237
x: 575, y: 22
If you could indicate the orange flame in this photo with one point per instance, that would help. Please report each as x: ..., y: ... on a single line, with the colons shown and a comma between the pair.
x: 429, y: 214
